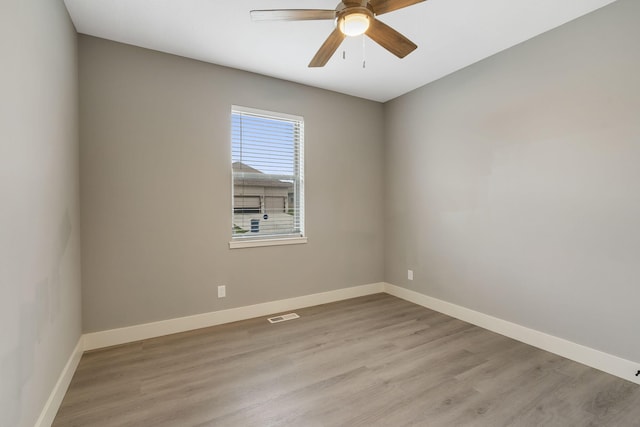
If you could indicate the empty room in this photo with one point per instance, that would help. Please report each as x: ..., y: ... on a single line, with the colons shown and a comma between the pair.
x: 284, y: 213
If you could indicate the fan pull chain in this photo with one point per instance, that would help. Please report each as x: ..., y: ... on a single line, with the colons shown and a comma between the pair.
x: 344, y: 54
x: 364, y: 61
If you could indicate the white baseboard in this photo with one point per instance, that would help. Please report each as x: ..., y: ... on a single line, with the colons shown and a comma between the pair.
x: 611, y: 364
x: 111, y: 337
x: 606, y: 362
x: 52, y: 405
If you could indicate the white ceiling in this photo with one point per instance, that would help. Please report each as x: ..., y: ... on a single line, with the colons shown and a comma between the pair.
x: 450, y: 35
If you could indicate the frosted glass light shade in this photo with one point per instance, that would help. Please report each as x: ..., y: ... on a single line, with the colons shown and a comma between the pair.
x: 354, y: 24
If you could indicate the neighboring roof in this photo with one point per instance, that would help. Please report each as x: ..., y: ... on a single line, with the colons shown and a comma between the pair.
x: 258, y: 182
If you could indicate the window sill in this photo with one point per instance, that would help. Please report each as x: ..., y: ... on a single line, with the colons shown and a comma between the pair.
x: 238, y: 244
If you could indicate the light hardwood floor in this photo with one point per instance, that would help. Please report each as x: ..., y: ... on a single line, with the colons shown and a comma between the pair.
x: 375, y: 360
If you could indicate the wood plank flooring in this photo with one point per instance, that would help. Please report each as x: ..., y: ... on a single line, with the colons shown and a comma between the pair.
x: 370, y: 361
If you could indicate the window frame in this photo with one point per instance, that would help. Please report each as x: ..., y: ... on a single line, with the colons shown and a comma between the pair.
x: 242, y: 241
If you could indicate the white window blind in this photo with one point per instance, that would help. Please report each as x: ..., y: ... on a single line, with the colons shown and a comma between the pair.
x: 267, y: 155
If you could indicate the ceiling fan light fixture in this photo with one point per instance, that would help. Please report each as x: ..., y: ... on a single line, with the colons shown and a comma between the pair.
x: 354, y: 24
x: 350, y: 18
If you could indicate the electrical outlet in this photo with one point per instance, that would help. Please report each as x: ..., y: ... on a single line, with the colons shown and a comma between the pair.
x: 222, y: 291
x: 410, y: 274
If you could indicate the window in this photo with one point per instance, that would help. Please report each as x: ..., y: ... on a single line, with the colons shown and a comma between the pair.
x: 267, y: 162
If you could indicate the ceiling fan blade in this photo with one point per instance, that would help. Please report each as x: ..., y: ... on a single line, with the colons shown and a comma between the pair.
x: 386, y: 6
x: 292, y: 14
x: 327, y: 49
x: 390, y: 39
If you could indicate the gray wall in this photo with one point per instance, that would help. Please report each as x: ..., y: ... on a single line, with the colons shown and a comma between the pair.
x: 156, y: 188
x: 39, y: 219
x: 513, y: 185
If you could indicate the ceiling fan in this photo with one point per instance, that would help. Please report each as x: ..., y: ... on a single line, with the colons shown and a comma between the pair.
x: 352, y: 18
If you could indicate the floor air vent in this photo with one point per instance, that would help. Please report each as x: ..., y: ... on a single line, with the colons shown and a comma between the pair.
x: 278, y: 319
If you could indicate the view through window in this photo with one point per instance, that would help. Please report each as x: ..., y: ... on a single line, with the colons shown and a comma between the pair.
x: 268, y: 174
